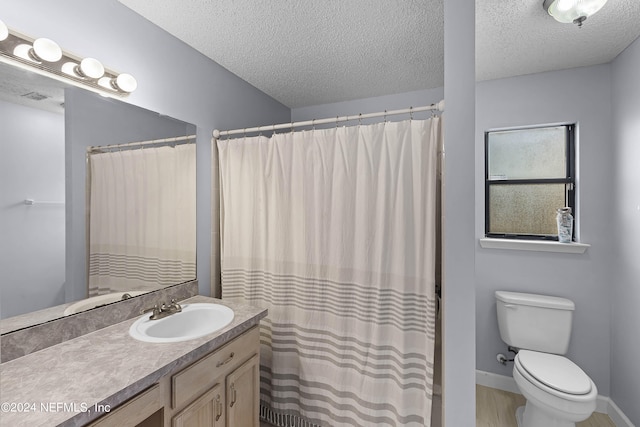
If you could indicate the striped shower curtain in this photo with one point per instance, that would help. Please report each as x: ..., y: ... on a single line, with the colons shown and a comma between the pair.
x: 333, y: 231
x: 142, y: 232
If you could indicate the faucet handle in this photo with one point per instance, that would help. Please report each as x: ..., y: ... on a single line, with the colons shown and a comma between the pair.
x: 154, y: 309
x: 175, y: 305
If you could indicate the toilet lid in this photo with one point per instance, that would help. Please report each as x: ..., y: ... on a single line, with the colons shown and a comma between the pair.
x: 555, y: 371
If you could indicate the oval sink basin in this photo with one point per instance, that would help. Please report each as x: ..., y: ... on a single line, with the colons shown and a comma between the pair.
x: 98, y: 301
x: 194, y: 321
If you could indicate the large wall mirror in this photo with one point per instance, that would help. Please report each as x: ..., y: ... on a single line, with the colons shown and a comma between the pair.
x: 81, y: 229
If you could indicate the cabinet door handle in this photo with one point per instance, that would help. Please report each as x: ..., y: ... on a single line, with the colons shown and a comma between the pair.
x: 224, y: 362
x: 233, y: 395
x: 218, y: 408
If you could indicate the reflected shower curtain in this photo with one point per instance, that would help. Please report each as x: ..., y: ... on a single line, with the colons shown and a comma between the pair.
x: 333, y: 231
x: 142, y: 233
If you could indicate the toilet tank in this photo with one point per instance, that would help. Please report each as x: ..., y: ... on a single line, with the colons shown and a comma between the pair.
x: 535, y: 322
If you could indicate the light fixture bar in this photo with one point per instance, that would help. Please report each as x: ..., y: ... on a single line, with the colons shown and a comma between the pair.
x: 44, y: 56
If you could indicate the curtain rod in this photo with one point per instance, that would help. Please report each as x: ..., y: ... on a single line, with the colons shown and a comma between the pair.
x: 140, y: 143
x: 433, y: 107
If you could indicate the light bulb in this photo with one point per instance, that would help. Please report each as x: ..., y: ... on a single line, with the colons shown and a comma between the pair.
x: 22, y: 51
x: 91, y: 68
x: 4, y: 31
x: 125, y: 82
x: 45, y: 50
x: 69, y: 68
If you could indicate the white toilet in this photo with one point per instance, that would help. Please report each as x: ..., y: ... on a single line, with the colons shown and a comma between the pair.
x: 558, y: 392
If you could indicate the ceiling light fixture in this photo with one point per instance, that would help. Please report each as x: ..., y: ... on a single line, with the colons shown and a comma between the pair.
x: 44, y: 56
x: 572, y: 11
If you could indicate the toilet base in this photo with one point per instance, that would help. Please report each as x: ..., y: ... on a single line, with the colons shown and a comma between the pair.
x: 530, y: 416
x: 519, y: 413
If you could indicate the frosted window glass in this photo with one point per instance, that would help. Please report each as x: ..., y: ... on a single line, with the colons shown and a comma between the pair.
x: 525, y: 209
x: 527, y: 154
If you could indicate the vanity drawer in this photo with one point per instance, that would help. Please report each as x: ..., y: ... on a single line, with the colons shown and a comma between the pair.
x: 133, y: 411
x: 197, y: 378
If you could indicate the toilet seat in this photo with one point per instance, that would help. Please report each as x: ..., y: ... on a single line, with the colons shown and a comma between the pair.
x: 556, y: 372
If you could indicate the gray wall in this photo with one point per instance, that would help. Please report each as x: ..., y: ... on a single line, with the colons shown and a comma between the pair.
x: 371, y: 105
x: 172, y: 79
x: 582, y: 96
x: 624, y: 282
x: 32, y: 274
x: 459, y: 319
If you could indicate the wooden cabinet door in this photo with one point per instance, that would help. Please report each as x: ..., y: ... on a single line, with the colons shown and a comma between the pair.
x: 243, y: 394
x: 206, y: 411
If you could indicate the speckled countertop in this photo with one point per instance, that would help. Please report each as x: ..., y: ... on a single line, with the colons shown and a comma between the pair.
x: 60, y: 385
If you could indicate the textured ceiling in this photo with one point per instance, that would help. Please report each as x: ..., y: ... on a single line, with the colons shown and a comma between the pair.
x: 304, y: 52
x: 519, y: 37
x: 309, y: 52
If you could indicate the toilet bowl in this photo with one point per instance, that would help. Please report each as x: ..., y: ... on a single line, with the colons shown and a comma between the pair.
x: 557, y: 391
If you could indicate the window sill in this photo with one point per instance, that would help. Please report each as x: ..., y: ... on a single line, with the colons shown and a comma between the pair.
x: 533, y: 245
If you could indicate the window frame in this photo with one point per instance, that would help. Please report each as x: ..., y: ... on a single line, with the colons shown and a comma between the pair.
x: 569, y: 181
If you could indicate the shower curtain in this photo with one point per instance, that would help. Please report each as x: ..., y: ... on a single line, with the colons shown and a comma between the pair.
x: 333, y: 231
x: 142, y: 233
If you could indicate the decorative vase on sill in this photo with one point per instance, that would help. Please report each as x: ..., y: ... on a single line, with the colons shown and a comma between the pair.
x: 565, y: 225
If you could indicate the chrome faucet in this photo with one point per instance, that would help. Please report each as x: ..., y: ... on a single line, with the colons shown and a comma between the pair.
x: 163, y: 311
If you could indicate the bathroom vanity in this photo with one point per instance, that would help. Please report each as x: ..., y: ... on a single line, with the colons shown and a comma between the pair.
x: 107, y: 378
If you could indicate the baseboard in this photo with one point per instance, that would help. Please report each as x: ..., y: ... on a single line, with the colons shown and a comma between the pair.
x: 617, y: 416
x: 500, y: 382
x: 603, y: 404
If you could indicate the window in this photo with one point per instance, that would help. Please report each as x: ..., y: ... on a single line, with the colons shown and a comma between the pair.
x: 529, y: 174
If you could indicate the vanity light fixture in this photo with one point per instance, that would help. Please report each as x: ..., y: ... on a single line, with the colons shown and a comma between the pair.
x: 572, y: 11
x: 4, y: 31
x: 44, y: 56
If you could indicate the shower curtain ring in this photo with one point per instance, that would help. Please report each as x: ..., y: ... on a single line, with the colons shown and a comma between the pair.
x: 385, y: 116
x: 410, y: 113
x: 337, y: 117
x: 360, y: 119
x: 313, y: 124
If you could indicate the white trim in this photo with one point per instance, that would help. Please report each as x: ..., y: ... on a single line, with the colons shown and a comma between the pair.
x: 617, y: 416
x: 533, y: 245
x: 500, y: 382
x: 604, y: 404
